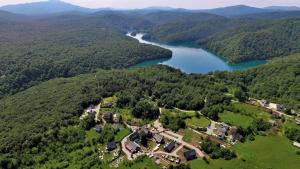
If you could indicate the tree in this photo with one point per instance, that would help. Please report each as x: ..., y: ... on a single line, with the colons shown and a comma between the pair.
x: 240, y: 95
x: 145, y: 109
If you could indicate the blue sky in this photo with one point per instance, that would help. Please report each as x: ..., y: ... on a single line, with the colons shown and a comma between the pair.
x: 193, y: 4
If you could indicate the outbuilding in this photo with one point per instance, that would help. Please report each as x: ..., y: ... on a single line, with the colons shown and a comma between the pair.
x: 111, y: 146
x: 190, y: 155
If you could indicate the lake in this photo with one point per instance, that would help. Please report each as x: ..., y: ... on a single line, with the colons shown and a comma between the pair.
x: 193, y: 60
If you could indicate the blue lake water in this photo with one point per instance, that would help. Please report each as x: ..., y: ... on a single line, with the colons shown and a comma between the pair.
x: 193, y: 60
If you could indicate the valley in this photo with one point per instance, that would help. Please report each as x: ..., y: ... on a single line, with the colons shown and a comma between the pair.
x: 191, y: 59
x: 185, y: 89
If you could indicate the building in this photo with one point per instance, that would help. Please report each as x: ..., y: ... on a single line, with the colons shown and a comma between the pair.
x: 159, y: 139
x: 170, y: 146
x: 146, y: 132
x: 98, y: 129
x: 108, y: 105
x: 233, y: 133
x: 108, y: 117
x: 134, y: 136
x: 91, y: 112
x: 116, y: 127
x: 133, y: 147
x: 111, y: 146
x: 116, y: 117
x: 296, y: 144
x: 298, y: 121
x: 264, y: 103
x: 275, y: 115
x: 279, y: 107
x: 190, y: 155
x: 221, y: 133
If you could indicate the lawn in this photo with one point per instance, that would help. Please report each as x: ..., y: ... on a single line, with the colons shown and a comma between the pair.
x: 201, y: 122
x: 110, y: 99
x: 235, y: 119
x: 252, y: 111
x: 266, y: 152
x: 142, y: 163
x: 122, y: 133
x: 191, y: 137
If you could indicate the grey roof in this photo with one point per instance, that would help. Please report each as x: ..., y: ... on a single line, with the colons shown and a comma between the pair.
x: 158, y: 138
x: 169, y: 147
x: 190, y: 155
x: 132, y: 147
x: 111, y: 145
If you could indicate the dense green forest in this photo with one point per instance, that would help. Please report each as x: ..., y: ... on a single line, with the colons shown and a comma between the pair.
x: 238, y: 39
x: 64, y: 46
x: 261, y: 41
x: 38, y: 122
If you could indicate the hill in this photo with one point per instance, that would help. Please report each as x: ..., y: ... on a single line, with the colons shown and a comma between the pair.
x: 236, y: 10
x: 260, y: 41
x: 62, y: 46
x: 284, y: 8
x: 40, y: 126
x: 48, y: 7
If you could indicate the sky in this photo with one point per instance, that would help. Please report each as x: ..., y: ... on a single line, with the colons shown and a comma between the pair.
x: 191, y: 4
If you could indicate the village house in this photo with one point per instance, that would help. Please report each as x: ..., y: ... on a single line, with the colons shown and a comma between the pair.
x: 146, y: 132
x: 91, y: 112
x: 190, y: 155
x: 298, y: 121
x: 133, y: 147
x: 221, y: 132
x: 280, y: 107
x: 108, y: 105
x: 108, y: 117
x: 264, y: 103
x: 159, y: 139
x: 296, y: 144
x: 116, y: 127
x: 116, y: 117
x: 98, y: 129
x: 233, y: 134
x: 170, y: 146
x: 134, y: 136
x: 111, y: 146
x: 275, y: 115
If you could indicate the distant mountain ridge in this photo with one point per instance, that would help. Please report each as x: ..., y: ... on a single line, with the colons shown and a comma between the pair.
x: 284, y: 8
x: 45, y: 7
x: 236, y: 10
x: 58, y: 6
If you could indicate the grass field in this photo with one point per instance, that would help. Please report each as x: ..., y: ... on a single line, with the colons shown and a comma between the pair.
x: 122, y: 133
x: 252, y: 111
x: 235, y: 119
x: 143, y: 163
x: 198, y: 122
x: 269, y: 152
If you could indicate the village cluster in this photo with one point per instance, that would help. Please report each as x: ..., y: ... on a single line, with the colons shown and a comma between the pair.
x: 164, y: 146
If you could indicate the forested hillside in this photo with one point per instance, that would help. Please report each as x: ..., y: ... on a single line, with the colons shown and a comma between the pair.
x: 63, y: 46
x: 41, y: 120
x: 260, y: 41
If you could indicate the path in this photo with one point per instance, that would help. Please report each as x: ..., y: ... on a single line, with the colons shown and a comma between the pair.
x: 211, y: 127
x: 124, y: 149
x: 174, y: 136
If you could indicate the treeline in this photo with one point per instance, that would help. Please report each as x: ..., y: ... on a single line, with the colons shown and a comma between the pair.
x: 257, y: 42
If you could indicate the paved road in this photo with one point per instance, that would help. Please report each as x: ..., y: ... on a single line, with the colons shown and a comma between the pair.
x: 97, y: 110
x: 174, y: 136
x: 210, y: 129
x: 127, y: 153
